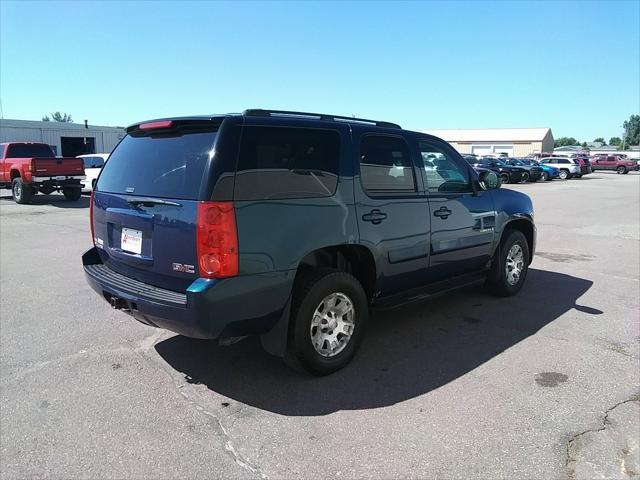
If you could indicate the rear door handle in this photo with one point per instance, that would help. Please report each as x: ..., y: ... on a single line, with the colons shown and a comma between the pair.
x: 442, y: 212
x: 374, y: 216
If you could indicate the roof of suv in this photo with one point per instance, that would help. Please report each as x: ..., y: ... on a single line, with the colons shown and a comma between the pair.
x: 279, y: 114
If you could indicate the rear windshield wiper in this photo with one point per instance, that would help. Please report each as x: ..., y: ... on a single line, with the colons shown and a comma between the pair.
x: 150, y: 202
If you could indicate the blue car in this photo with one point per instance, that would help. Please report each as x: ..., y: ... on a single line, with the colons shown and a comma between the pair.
x: 548, y: 172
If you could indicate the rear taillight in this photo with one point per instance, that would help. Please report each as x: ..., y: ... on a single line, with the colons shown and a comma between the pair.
x: 93, y: 238
x: 217, y: 240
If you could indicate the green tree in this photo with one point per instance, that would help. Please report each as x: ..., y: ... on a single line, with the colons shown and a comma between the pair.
x: 615, y: 141
x: 599, y: 140
x: 60, y: 117
x: 584, y: 145
x: 565, y: 141
x: 46, y: 118
x: 631, y: 131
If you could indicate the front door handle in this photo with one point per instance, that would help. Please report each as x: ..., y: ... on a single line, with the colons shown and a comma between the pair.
x: 374, y: 216
x: 442, y: 212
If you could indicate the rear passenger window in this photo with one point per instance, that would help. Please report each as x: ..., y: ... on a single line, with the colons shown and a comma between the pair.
x: 385, y: 166
x: 281, y: 162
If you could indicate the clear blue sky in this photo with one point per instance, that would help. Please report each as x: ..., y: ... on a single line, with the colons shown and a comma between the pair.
x: 571, y: 66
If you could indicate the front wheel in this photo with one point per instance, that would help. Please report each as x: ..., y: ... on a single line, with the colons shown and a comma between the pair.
x: 621, y: 170
x: 329, y: 316
x: 525, y: 177
x: 72, y: 194
x: 510, y: 266
x: 505, y: 178
x: 544, y: 177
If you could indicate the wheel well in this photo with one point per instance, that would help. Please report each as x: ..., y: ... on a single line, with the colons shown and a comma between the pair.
x: 354, y: 259
x: 14, y: 174
x: 526, y: 228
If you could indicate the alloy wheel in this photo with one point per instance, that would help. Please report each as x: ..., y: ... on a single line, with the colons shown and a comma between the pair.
x: 332, y: 325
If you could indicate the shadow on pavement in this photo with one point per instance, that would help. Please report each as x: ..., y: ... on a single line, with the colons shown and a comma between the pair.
x: 407, y: 351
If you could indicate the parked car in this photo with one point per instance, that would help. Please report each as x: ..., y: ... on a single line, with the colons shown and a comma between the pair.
x: 533, y: 172
x: 293, y: 226
x: 28, y: 168
x: 567, y: 167
x: 548, y: 172
x: 614, y: 163
x: 585, y: 165
x: 507, y: 173
x: 93, y: 164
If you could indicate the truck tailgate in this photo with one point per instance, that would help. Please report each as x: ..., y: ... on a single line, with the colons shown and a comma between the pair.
x: 45, y: 167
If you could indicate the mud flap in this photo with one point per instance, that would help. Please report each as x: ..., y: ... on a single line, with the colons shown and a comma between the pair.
x: 275, y: 340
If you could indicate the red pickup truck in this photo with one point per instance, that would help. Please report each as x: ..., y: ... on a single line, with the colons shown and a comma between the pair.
x: 613, y: 162
x: 29, y: 168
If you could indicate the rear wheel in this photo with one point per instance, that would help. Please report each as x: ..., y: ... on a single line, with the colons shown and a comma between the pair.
x: 329, y: 316
x: 563, y: 174
x: 620, y: 170
x: 544, y: 177
x: 72, y: 194
x: 510, y: 266
x: 504, y: 177
x: 525, y: 177
x: 21, y: 192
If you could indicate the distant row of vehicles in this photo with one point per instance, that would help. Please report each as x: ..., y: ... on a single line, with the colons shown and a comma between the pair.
x: 532, y: 169
x: 29, y: 168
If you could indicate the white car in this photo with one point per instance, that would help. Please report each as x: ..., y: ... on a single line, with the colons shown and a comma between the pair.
x: 568, y: 168
x: 93, y: 163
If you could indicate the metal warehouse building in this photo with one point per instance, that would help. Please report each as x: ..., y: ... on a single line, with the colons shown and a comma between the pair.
x: 66, y: 139
x: 516, y: 142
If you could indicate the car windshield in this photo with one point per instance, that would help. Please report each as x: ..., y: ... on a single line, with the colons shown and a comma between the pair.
x: 500, y: 163
x: 517, y: 162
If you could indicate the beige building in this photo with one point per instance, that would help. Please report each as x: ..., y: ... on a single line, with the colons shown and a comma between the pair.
x: 515, y: 142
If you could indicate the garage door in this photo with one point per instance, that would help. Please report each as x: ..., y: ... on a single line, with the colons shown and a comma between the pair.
x: 482, y: 149
x: 508, y: 149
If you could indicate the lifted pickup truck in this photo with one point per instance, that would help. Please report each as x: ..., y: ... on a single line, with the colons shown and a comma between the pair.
x: 29, y: 168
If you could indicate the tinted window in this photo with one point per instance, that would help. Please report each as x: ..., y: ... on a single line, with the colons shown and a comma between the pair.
x: 169, y: 165
x: 442, y: 171
x: 280, y: 162
x: 385, y: 166
x: 93, y: 162
x: 19, y: 150
x: 1, y: 151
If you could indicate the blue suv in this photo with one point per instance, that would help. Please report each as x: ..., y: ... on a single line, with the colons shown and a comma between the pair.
x: 295, y: 226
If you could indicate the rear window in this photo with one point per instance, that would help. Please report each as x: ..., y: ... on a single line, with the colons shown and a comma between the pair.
x: 165, y: 164
x: 18, y: 150
x: 93, y: 162
x: 282, y: 162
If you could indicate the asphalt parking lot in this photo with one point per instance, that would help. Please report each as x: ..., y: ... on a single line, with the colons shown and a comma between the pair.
x: 541, y: 385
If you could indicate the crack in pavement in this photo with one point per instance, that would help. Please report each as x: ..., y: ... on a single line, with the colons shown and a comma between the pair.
x: 215, y: 421
x: 571, y: 460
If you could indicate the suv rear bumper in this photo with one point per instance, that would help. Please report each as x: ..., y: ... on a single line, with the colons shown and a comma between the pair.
x: 208, y: 309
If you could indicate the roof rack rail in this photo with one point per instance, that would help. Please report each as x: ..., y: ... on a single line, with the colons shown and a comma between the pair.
x: 257, y: 112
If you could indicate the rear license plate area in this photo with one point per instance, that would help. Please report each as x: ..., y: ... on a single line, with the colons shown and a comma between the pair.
x: 131, y: 241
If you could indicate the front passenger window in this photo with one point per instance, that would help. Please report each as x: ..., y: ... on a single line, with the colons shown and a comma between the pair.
x: 441, y: 170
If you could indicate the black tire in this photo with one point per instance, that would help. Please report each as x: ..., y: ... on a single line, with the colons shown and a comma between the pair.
x: 563, y: 174
x: 311, y: 288
x: 505, y: 178
x: 21, y: 192
x: 525, y: 177
x: 544, y: 177
x: 621, y: 170
x: 497, y: 278
x: 625, y: 172
x: 72, y: 194
x: 578, y: 175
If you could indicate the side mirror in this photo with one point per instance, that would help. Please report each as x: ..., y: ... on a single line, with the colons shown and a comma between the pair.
x: 489, y: 180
